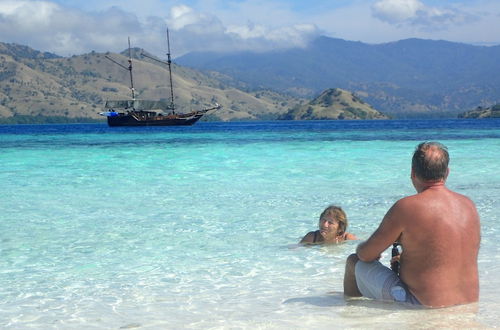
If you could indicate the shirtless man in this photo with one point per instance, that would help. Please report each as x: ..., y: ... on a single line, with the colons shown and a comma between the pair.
x: 439, y: 232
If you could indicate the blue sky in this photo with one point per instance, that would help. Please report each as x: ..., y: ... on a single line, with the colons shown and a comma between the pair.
x: 68, y: 27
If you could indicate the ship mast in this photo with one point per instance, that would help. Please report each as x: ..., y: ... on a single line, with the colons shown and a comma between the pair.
x: 129, y: 68
x: 169, y: 62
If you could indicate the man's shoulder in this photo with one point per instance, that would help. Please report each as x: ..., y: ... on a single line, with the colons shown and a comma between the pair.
x: 408, y: 201
x: 462, y: 197
x: 426, y: 195
x: 406, y: 207
x: 417, y: 205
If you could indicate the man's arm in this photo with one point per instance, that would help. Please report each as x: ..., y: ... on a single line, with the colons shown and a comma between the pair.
x: 388, y: 232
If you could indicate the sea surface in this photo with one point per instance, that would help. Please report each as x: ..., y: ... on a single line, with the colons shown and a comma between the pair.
x: 197, y: 227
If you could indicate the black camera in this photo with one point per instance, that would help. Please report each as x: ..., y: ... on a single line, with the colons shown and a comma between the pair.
x: 395, y: 252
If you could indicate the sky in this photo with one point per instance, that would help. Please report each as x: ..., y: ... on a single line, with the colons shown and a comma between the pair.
x: 74, y: 27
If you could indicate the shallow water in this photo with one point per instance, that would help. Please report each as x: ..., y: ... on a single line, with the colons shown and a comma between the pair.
x: 197, y: 227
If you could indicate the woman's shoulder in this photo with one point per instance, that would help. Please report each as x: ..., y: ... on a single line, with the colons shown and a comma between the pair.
x: 310, y: 237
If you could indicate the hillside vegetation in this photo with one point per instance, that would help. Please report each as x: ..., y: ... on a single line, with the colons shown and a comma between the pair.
x: 37, y: 85
x: 334, y: 103
x: 480, y: 112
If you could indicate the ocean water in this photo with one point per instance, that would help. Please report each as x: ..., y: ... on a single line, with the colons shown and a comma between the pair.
x: 197, y: 227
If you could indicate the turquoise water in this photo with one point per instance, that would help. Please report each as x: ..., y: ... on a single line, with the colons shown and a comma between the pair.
x: 197, y: 227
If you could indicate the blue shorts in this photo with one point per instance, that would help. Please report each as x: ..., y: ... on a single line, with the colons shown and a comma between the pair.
x: 376, y: 281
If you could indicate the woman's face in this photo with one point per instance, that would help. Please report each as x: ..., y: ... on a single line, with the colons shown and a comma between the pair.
x: 328, y: 228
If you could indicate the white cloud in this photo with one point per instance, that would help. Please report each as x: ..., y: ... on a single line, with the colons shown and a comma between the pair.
x: 416, y: 13
x: 182, y: 16
x: 65, y: 27
x: 290, y: 36
x: 31, y: 13
x: 395, y: 11
x: 195, y: 31
x: 48, y: 26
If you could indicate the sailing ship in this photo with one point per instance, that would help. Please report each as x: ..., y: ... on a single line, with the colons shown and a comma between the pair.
x: 136, y: 112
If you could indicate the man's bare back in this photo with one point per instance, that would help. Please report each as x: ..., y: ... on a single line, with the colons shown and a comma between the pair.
x: 440, y: 239
x: 439, y: 231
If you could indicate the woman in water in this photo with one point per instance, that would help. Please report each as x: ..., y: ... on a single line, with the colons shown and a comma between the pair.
x: 332, y: 228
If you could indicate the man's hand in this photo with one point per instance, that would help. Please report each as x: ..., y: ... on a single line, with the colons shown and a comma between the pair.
x: 395, y: 258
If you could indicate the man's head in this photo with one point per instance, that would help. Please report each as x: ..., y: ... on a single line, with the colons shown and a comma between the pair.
x: 430, y: 162
x: 332, y: 222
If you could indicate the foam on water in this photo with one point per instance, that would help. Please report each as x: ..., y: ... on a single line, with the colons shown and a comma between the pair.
x: 197, y: 227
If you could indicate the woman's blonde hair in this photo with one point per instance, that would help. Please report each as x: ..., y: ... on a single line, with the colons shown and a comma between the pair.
x: 336, y: 212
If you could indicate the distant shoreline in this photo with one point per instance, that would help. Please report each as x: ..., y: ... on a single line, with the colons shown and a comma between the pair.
x: 47, y: 120
x: 25, y: 119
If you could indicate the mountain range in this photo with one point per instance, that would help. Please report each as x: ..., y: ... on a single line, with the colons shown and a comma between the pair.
x: 404, y: 79
x: 407, y: 78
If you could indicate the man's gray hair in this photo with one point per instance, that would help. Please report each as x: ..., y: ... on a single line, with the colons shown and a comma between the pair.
x: 430, y: 161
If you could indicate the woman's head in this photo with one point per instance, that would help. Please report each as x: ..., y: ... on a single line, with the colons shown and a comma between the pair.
x: 332, y: 222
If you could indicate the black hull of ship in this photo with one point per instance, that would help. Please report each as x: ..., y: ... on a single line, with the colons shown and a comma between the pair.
x: 129, y: 120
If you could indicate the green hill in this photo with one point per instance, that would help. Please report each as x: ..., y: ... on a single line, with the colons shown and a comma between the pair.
x: 35, y: 84
x: 480, y: 112
x: 334, y: 103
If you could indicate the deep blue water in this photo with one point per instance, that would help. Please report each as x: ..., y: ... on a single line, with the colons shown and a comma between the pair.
x: 267, y: 126
x: 251, y: 132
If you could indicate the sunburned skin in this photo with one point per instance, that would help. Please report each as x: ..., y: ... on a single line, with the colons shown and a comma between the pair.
x: 439, y: 231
